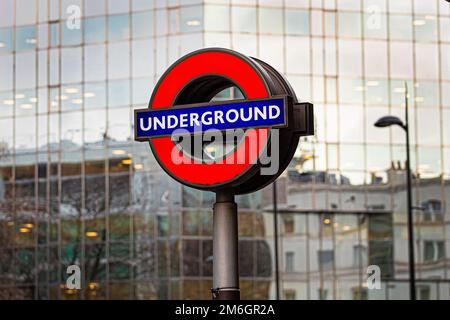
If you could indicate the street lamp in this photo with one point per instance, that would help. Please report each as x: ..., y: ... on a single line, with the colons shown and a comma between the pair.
x: 387, y: 121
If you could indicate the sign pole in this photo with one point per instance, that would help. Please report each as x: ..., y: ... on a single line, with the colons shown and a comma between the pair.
x: 225, y: 248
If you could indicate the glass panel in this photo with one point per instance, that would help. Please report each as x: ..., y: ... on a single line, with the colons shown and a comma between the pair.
x: 118, y: 27
x: 351, y: 123
x: 349, y: 24
x: 71, y: 65
x: 119, y: 93
x: 217, y: 18
x: 94, y: 62
x: 243, y: 19
x: 191, y: 19
x: 95, y: 95
x: 400, y: 27
x: 25, y: 38
x: 297, y: 22
x: 6, y: 65
x: 350, y: 57
x: 118, y: 60
x: 95, y: 29
x: 352, y: 157
x: 142, y: 24
x: 70, y: 36
x: 270, y: 20
x: 119, y: 124
x: 6, y: 41
x: 425, y: 28
x: 375, y: 25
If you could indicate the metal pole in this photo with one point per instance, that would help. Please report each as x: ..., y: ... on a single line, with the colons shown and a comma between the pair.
x: 225, y: 248
x: 275, y: 235
x: 412, y: 277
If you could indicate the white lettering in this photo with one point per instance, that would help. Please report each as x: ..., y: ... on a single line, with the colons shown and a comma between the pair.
x: 218, y: 116
x: 160, y: 122
x: 145, y: 128
x: 194, y: 118
x: 207, y: 118
x: 250, y: 113
x: 276, y: 109
x: 183, y: 120
x: 259, y: 113
x: 228, y: 116
x: 172, y: 124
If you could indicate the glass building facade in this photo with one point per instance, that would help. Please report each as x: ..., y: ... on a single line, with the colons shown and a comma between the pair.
x: 76, y: 189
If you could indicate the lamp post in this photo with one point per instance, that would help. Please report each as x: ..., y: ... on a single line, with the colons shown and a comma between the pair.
x: 387, y: 121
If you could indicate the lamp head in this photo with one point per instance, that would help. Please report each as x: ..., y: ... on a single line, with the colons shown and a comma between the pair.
x: 387, y: 121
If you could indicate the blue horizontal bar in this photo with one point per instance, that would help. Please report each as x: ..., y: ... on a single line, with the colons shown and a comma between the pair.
x: 217, y: 116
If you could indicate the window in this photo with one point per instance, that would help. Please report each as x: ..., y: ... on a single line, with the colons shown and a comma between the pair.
x: 94, y: 62
x: 359, y: 293
x: 70, y: 97
x: 326, y: 259
x: 297, y: 22
x: 70, y: 36
x: 401, y: 55
x: 351, y: 123
x: 289, y: 267
x: 118, y: 60
x: 6, y: 12
x: 94, y: 8
x: 445, y: 60
x: 25, y: 12
x: 290, y: 294
x: 349, y: 24
x: 424, y: 292
x: 6, y: 40
x: 217, y: 18
x: 400, y: 27
x: 270, y: 21
x: 352, y: 157
x: 6, y: 104
x: 359, y: 255
x: 375, y: 58
x: 375, y: 25
x: 117, y: 6
x: 350, y: 57
x: 432, y: 210
x: 289, y: 225
x: 426, y: 93
x: 429, y: 128
x: 95, y: 95
x: 118, y: 27
x: 433, y: 250
x: 142, y: 55
x: 323, y: 294
x: 119, y: 93
x: 426, y: 61
x: 243, y: 19
x: 94, y: 30
x: 25, y: 38
x: 25, y: 70
x: 191, y: 19
x: 425, y: 28
x: 298, y: 49
x: 142, y: 24
x: 71, y: 65
x: 6, y: 65
x: 378, y: 158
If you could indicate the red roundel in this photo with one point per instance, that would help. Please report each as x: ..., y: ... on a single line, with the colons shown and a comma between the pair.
x: 243, y: 73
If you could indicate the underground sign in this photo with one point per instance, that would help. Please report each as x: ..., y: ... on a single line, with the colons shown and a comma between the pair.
x: 212, y: 144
